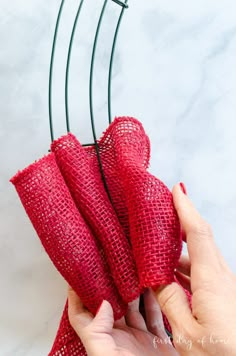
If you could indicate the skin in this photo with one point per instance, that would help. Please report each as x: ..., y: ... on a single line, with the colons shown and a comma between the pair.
x: 208, y: 328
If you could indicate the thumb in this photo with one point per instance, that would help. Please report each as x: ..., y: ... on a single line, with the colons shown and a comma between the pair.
x: 174, y: 304
x: 104, y: 319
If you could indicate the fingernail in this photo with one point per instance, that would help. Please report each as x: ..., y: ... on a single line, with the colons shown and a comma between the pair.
x: 183, y: 188
x: 183, y: 236
x: 99, y: 307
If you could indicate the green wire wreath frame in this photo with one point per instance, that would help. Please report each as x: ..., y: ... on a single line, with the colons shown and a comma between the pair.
x: 124, y: 5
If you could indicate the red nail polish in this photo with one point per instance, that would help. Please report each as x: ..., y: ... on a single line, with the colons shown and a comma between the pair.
x: 99, y: 307
x: 183, y: 188
x: 183, y: 235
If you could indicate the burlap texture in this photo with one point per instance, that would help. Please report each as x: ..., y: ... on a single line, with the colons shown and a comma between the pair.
x: 105, y: 249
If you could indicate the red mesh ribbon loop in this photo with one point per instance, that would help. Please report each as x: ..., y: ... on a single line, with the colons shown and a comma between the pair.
x: 67, y: 343
x: 150, y: 216
x: 104, y: 250
x: 84, y: 181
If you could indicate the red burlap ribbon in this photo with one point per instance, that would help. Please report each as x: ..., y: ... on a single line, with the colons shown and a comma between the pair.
x: 105, y: 249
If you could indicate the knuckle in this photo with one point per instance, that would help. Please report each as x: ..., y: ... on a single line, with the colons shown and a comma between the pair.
x: 167, y: 297
x: 202, y: 229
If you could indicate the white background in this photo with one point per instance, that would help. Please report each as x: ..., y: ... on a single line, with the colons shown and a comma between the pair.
x: 174, y: 70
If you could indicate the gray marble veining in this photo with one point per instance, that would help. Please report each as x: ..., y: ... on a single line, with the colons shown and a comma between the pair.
x: 174, y: 70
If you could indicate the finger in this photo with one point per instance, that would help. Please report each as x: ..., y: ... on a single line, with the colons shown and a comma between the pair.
x: 95, y: 335
x: 79, y: 317
x: 103, y: 322
x: 133, y: 317
x: 120, y: 323
x: 184, y: 265
x: 200, y: 243
x: 174, y: 304
x: 183, y: 188
x: 183, y: 280
x: 154, y: 320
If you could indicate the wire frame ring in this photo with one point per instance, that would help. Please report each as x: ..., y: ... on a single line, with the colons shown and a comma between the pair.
x: 124, y: 5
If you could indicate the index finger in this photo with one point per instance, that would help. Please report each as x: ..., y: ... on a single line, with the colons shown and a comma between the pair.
x: 79, y: 317
x: 199, y: 237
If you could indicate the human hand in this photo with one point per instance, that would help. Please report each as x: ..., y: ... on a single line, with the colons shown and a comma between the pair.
x: 210, y: 327
x: 129, y: 336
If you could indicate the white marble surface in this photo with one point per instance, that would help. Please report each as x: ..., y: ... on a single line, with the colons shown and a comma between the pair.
x: 174, y: 70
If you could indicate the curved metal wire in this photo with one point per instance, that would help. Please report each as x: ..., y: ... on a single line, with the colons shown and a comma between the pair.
x: 91, y: 98
x: 121, y: 3
x: 124, y: 6
x: 68, y: 65
x: 51, y: 69
x: 92, y: 71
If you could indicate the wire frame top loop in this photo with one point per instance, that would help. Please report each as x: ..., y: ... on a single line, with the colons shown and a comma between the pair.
x: 121, y: 3
x: 124, y: 6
